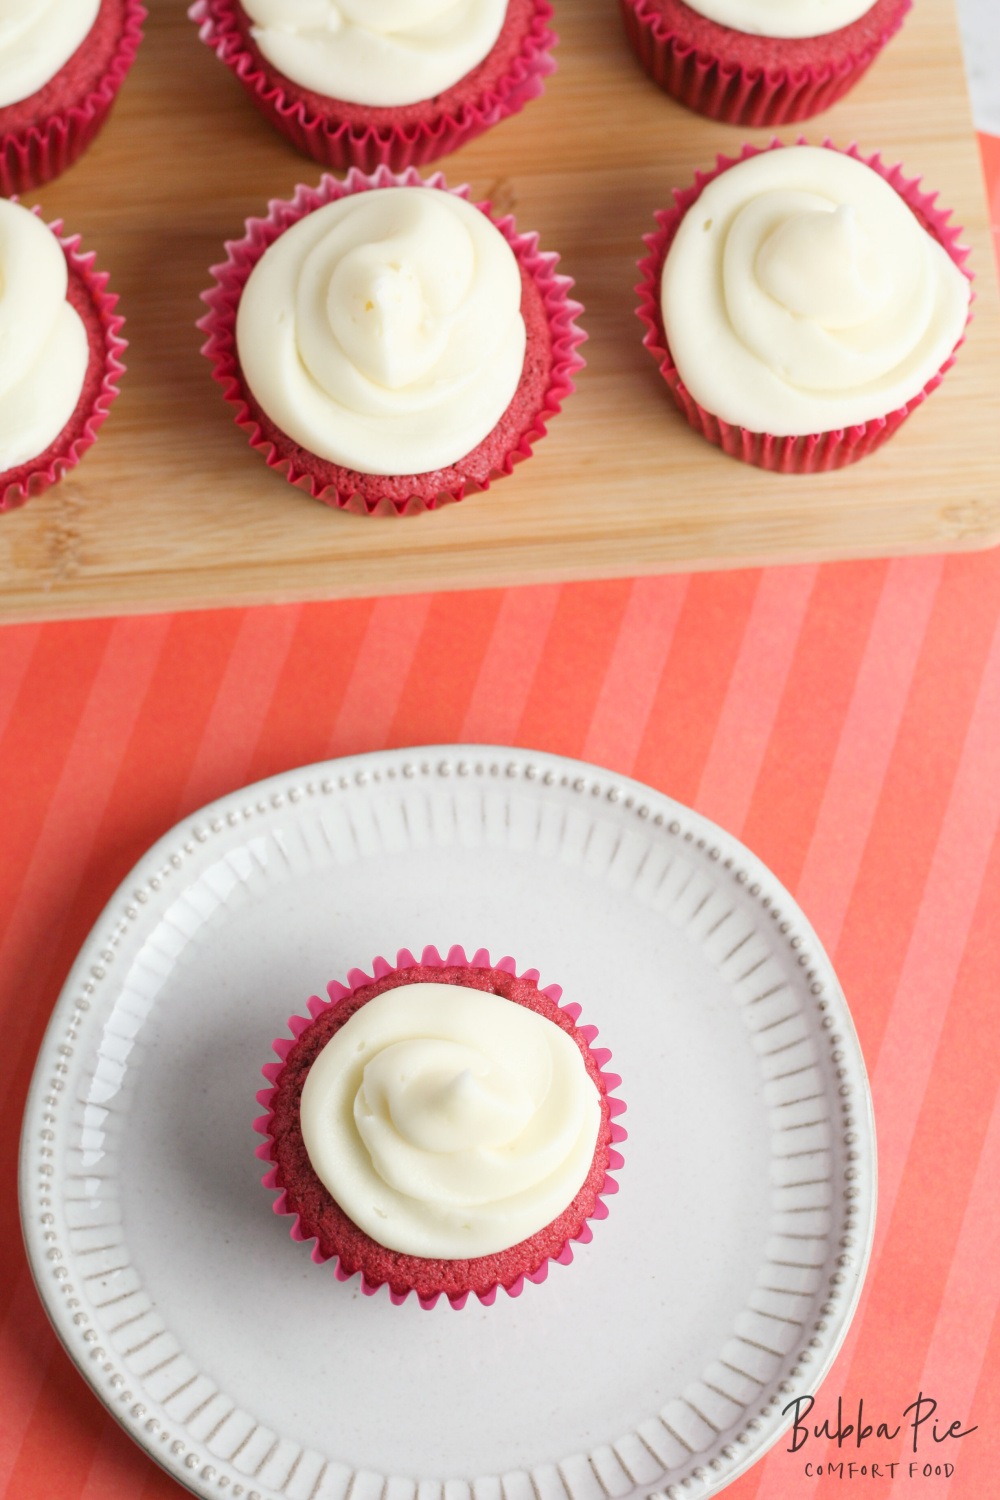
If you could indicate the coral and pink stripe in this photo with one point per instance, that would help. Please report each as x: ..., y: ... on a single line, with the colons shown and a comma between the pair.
x: 844, y: 720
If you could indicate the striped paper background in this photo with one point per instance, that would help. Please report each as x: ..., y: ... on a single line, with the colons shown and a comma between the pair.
x: 843, y: 720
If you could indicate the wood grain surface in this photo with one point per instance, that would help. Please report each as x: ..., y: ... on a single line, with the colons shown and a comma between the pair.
x: 173, y: 509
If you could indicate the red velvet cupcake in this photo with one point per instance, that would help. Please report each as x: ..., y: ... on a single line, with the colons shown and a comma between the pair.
x: 341, y: 134
x: 754, y: 80
x: 43, y: 134
x: 534, y: 390
x: 756, y: 358
x: 317, y: 1214
x: 86, y: 294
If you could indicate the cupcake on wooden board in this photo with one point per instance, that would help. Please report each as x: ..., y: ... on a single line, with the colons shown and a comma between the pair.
x: 387, y: 344
x: 759, y: 62
x: 801, y: 302
x: 62, y: 63
x: 370, y: 83
x: 442, y: 1127
x: 61, y: 344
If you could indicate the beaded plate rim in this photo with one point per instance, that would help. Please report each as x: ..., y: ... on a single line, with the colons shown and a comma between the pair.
x: 50, y: 1260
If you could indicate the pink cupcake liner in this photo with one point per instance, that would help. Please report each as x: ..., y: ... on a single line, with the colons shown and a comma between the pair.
x: 373, y: 494
x: 80, y: 433
x: 816, y: 452
x: 740, y: 94
x: 33, y: 156
x: 341, y: 144
x: 431, y: 958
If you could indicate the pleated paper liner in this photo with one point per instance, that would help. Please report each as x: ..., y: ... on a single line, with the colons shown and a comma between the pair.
x: 753, y: 80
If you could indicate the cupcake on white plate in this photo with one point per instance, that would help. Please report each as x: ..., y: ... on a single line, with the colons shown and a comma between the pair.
x: 443, y: 1127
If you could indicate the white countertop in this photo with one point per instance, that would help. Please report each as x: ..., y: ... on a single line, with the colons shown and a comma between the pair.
x: 980, y: 21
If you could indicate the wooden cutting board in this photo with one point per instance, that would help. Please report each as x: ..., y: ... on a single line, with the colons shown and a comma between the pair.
x: 173, y: 509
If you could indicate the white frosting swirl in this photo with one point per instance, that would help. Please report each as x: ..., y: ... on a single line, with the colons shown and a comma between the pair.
x: 383, y: 331
x: 448, y: 1122
x: 43, y: 343
x: 801, y: 295
x: 36, y: 38
x: 783, y: 18
x: 377, y: 52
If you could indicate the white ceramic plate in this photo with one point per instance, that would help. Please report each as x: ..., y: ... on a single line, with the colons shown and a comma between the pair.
x: 719, y: 1287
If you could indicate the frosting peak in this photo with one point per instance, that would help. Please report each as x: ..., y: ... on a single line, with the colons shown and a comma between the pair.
x: 440, y: 1097
x: 822, y: 265
x: 392, y: 302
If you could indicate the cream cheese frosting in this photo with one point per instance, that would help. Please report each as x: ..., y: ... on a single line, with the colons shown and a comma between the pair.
x: 36, y: 38
x: 783, y: 18
x: 448, y: 1122
x: 801, y: 295
x: 383, y: 331
x: 43, y: 344
x: 376, y: 52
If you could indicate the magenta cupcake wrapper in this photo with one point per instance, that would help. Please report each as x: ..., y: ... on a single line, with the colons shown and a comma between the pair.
x: 816, y: 452
x: 66, y: 451
x: 736, y: 95
x: 31, y: 157
x: 341, y: 144
x: 431, y: 958
x: 219, y: 323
